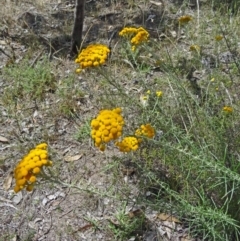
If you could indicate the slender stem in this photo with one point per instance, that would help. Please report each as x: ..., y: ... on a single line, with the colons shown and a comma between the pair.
x: 52, y: 179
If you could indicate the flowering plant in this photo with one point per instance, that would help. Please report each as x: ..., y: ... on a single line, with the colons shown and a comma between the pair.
x: 30, y: 167
x: 137, y: 35
x: 92, y: 56
x: 108, y: 126
x: 184, y: 19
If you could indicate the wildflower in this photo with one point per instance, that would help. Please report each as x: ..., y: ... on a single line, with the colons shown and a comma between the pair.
x: 145, y: 130
x: 159, y: 93
x: 137, y: 36
x: 30, y: 166
x: 145, y: 97
x: 141, y: 36
x: 218, y: 37
x: 78, y: 71
x: 133, y: 48
x: 93, y: 56
x: 107, y: 127
x: 195, y: 47
x: 128, y: 32
x: 228, y: 109
x: 212, y: 79
x: 158, y: 63
x: 148, y: 92
x: 185, y: 19
x: 128, y: 144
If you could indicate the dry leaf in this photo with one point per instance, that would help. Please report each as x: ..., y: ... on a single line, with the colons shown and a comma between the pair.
x: 85, y: 227
x: 169, y: 227
x: 114, y: 221
x: 7, y: 182
x: 73, y: 158
x: 2, y: 42
x: 156, y: 3
x: 17, y: 198
x: 3, y: 139
x: 135, y: 213
x: 186, y: 238
x: 128, y: 171
x: 173, y: 33
x: 167, y: 217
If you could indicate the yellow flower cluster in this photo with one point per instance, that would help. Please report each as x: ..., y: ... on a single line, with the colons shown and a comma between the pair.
x: 184, y: 19
x: 228, y: 109
x: 195, y: 47
x: 159, y: 93
x: 132, y: 143
x: 144, y: 98
x: 218, y: 37
x: 128, y: 144
x: 145, y: 130
x: 106, y: 127
x: 137, y: 35
x: 93, y: 56
x: 30, y: 166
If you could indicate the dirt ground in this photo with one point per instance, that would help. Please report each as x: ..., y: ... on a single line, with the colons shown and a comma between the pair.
x: 53, y: 212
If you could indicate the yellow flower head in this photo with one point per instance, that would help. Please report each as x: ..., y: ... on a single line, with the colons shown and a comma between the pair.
x: 185, y: 19
x: 107, y: 126
x: 137, y: 36
x: 218, y: 37
x: 30, y: 166
x: 92, y: 56
x: 128, y: 32
x: 145, y: 130
x: 228, y: 109
x: 128, y: 144
x: 159, y: 93
x: 195, y: 48
x: 133, y: 48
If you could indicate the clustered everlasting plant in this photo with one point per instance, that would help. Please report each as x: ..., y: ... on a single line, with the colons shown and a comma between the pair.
x: 145, y: 130
x: 184, y: 19
x: 159, y: 93
x: 218, y: 37
x: 92, y: 56
x: 137, y: 35
x: 195, y: 48
x: 108, y: 125
x: 146, y: 97
x: 30, y: 166
x: 129, y: 143
x: 228, y: 109
x: 183, y: 146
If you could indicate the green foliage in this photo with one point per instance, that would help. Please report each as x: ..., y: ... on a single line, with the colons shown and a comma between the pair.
x: 192, y: 166
x: 25, y: 81
x: 70, y: 97
x: 125, y: 226
x: 83, y: 132
x: 232, y: 6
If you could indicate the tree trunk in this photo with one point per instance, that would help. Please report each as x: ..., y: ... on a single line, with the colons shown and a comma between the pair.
x: 78, y: 26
